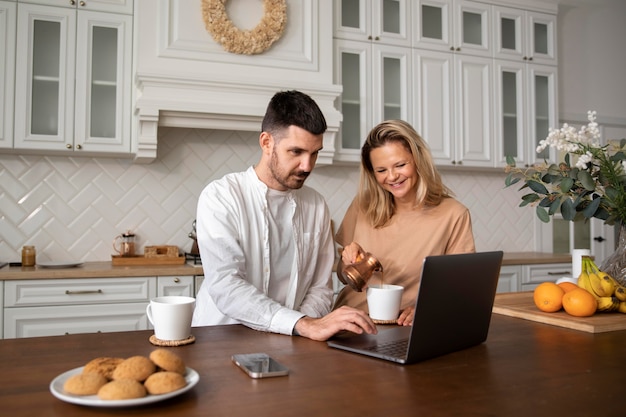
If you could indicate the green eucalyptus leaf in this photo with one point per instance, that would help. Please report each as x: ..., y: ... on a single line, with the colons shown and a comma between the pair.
x: 622, y: 143
x: 586, y: 180
x: 554, y: 207
x: 545, y: 202
x: 567, y: 159
x: 601, y: 214
x: 591, y: 209
x: 510, y: 180
x: 568, y: 210
x: 566, y: 184
x: 537, y: 187
x: 553, y: 169
x: 510, y: 161
x: 573, y: 173
x: 528, y: 198
x: 543, y: 214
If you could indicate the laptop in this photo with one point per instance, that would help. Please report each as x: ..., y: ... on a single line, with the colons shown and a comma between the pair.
x: 452, y: 311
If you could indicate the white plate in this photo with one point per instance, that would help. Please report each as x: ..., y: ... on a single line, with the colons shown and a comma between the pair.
x: 53, y: 264
x: 56, y: 388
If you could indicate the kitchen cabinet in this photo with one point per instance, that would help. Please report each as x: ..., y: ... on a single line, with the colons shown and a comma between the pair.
x: 7, y: 71
x: 525, y: 36
x: 454, y: 107
x: 64, y: 306
x: 515, y: 278
x: 178, y: 285
x: 47, y: 307
x: 525, y: 110
x: 373, y: 63
x: 378, y: 21
x: 459, y: 26
x: 376, y: 86
x: 73, y: 77
x: 510, y: 279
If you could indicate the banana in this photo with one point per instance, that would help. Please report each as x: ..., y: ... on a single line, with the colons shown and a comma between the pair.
x: 620, y: 292
x: 607, y: 304
x: 622, y: 307
x: 583, y: 282
x: 607, y: 283
x: 597, y: 286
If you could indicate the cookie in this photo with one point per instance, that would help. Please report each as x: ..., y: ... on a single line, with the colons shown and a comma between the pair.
x: 122, y: 389
x: 84, y: 384
x: 164, y: 382
x: 136, y: 367
x: 168, y: 361
x: 103, y: 365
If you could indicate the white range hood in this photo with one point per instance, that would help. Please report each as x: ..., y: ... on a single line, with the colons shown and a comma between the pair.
x: 185, y: 79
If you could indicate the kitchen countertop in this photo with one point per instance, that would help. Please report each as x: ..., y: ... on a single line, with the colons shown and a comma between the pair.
x: 528, y: 258
x: 107, y: 270
x: 98, y: 270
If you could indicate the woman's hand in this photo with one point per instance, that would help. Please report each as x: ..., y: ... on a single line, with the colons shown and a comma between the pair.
x: 406, y: 316
x: 351, y: 253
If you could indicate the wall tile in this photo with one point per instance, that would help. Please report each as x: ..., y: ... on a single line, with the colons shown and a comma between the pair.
x: 71, y: 208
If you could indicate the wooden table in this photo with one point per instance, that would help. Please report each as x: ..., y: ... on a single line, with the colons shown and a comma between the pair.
x: 524, y: 369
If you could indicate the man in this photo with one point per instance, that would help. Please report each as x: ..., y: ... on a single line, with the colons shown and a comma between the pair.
x: 265, y: 238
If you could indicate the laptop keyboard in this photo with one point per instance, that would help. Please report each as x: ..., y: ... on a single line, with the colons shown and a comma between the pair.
x: 395, y: 348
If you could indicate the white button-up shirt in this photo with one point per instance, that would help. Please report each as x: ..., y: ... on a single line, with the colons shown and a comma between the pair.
x: 233, y: 238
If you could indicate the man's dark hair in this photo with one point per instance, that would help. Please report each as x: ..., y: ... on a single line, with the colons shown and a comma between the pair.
x: 295, y: 108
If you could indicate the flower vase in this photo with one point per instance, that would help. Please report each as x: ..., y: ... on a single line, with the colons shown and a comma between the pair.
x: 615, y: 265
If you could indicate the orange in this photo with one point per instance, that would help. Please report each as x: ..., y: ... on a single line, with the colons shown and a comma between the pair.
x: 548, y: 297
x: 579, y: 303
x: 567, y: 286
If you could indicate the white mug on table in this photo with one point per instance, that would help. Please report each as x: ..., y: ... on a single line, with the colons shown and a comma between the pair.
x: 171, y: 316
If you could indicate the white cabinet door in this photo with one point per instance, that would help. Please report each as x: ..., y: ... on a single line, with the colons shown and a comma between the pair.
x: 44, y: 92
x: 534, y: 275
x: 510, y: 279
x: 103, y: 82
x: 7, y: 71
x: 60, y: 320
x: 461, y: 26
x: 376, y: 87
x: 525, y: 36
x: 113, y: 6
x: 525, y: 110
x: 179, y: 285
x: 379, y: 21
x: 454, y: 107
x: 73, y: 80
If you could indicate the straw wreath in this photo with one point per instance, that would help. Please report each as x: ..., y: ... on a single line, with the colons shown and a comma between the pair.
x: 247, y: 42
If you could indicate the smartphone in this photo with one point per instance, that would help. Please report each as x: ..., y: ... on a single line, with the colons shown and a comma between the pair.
x: 259, y: 365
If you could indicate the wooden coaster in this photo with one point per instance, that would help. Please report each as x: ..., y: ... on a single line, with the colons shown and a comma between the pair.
x: 385, y: 321
x: 159, y: 342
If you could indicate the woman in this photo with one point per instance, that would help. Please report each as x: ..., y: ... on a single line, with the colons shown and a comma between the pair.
x: 402, y: 213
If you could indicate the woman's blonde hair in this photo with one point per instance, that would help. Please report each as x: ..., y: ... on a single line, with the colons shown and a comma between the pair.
x: 377, y: 203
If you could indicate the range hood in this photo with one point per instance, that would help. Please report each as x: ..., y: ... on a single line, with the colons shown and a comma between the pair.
x: 183, y: 78
x: 211, y: 104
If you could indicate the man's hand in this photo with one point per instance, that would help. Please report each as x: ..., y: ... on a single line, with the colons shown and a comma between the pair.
x: 344, y: 318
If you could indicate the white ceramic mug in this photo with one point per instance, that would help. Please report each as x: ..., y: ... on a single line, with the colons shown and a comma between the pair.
x: 384, y: 301
x: 171, y: 316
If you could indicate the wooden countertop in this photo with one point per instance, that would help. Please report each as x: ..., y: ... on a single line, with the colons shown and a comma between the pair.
x: 523, y: 369
x: 107, y: 270
x: 529, y: 258
x: 98, y: 270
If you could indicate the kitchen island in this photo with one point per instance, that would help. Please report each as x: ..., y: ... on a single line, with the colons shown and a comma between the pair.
x: 523, y: 369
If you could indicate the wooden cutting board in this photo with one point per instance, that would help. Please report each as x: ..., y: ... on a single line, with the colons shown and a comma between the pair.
x: 521, y: 305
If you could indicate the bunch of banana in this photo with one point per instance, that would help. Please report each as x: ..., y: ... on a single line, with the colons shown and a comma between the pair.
x: 611, y: 296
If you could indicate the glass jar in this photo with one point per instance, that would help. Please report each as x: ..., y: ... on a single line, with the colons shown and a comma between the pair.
x: 28, y: 256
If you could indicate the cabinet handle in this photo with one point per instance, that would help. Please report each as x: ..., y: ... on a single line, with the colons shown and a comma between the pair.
x: 369, y: 38
x: 72, y: 2
x: 82, y: 3
x: 559, y: 273
x: 79, y: 146
x: 68, y: 146
x: 458, y: 49
x: 377, y: 38
x: 177, y: 280
x: 452, y: 48
x: 530, y: 59
x: 69, y: 292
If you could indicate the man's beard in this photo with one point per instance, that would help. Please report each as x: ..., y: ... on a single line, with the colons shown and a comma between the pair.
x: 291, y: 181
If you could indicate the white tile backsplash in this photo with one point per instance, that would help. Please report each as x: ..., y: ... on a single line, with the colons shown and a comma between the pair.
x: 71, y: 208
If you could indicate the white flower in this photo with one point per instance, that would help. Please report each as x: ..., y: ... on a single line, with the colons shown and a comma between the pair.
x: 583, y: 160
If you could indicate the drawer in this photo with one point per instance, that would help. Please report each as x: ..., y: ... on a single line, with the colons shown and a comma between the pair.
x: 61, y: 320
x: 22, y: 293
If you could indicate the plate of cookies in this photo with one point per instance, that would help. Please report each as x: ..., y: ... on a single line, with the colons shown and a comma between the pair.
x: 124, y: 382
